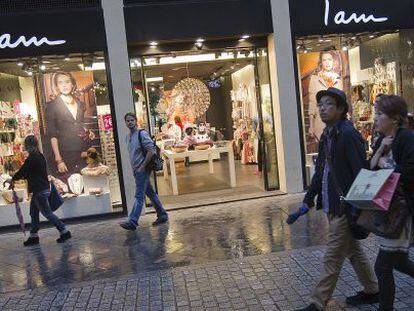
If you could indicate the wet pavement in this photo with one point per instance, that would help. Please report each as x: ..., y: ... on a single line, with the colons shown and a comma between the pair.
x: 235, y: 256
x: 193, y: 236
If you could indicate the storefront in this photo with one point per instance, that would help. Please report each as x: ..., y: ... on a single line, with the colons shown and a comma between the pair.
x: 53, y: 84
x: 365, y: 48
x: 201, y: 85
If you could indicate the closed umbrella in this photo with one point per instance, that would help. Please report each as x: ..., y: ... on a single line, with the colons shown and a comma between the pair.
x: 18, y: 212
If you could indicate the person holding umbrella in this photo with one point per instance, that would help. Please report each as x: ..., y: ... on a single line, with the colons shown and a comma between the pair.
x: 34, y: 170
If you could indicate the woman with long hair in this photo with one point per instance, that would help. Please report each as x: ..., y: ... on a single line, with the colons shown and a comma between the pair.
x: 394, y: 150
x: 65, y: 126
x: 34, y: 170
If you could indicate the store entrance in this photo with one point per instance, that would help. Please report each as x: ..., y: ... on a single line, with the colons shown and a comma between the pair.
x: 205, y: 111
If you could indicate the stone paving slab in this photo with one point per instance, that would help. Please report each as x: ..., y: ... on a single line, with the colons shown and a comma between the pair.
x: 276, y: 281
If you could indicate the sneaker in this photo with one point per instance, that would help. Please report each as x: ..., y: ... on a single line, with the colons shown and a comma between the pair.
x: 128, y: 226
x: 311, y: 307
x: 33, y: 240
x: 362, y: 298
x: 160, y: 221
x: 63, y: 237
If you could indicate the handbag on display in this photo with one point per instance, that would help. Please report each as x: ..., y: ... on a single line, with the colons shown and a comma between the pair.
x: 55, y: 199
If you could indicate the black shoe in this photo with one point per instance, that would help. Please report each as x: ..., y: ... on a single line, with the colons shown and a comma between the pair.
x: 64, y: 237
x: 160, y: 221
x: 311, y: 307
x: 33, y: 240
x: 362, y: 298
x: 128, y: 226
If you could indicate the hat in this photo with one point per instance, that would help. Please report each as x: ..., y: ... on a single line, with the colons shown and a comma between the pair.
x: 335, y: 93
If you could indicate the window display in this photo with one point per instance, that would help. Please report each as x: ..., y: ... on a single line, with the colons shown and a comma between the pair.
x: 207, y: 132
x: 366, y: 66
x: 64, y: 103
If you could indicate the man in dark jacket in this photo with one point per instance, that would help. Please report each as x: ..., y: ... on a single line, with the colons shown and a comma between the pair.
x: 341, y: 157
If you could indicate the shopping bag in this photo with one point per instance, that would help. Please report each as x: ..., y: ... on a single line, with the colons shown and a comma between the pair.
x: 384, y: 197
x: 55, y: 199
x: 18, y: 211
x: 372, y: 190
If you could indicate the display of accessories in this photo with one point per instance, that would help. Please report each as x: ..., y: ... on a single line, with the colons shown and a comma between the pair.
x: 75, y: 182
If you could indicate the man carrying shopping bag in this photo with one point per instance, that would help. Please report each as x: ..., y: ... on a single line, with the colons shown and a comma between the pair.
x: 341, y: 156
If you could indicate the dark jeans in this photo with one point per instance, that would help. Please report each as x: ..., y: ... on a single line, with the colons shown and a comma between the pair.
x: 385, y: 264
x: 40, y: 204
x: 144, y: 187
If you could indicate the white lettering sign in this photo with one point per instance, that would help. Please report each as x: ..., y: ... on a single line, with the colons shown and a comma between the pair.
x: 6, y: 41
x: 340, y: 17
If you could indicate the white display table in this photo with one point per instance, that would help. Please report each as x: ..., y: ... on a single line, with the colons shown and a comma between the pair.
x: 83, y: 205
x: 170, y: 157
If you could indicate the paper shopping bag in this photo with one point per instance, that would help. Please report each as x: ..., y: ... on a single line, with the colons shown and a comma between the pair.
x: 367, y: 187
x: 384, y: 197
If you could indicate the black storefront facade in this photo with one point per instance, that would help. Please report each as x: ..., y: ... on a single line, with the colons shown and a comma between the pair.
x: 362, y: 47
x: 41, y: 48
x: 187, y: 49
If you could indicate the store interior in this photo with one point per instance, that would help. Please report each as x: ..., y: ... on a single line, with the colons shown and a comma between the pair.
x: 199, y: 102
x: 28, y: 88
x: 364, y: 65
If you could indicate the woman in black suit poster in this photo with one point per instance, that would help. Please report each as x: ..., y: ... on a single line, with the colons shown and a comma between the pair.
x: 66, y: 131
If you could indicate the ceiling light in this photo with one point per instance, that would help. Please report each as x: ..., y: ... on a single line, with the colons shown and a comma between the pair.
x: 153, y: 44
x: 321, y: 39
x: 344, y: 48
x: 242, y: 40
x: 20, y: 64
x: 66, y: 59
x: 200, y: 40
x: 155, y: 79
x: 152, y: 89
x: 199, y: 45
x: 42, y: 67
x: 245, y: 37
x: 371, y: 36
x: 30, y: 73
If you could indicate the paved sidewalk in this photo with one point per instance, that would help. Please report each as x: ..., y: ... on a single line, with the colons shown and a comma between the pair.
x: 235, y: 256
x: 278, y: 281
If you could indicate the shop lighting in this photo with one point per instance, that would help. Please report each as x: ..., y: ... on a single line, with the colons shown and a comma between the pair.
x: 200, y: 40
x: 371, y: 36
x: 155, y: 79
x: 96, y: 66
x: 42, y: 67
x: 153, y: 89
x: 20, y: 64
x: 321, y: 39
x: 66, y: 59
x: 30, y: 73
x: 245, y: 37
x: 153, y: 44
x: 199, y: 45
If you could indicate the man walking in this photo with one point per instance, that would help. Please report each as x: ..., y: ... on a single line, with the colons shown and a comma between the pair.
x: 341, y: 157
x: 141, y: 152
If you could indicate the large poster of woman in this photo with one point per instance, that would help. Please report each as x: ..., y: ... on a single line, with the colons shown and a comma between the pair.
x: 319, y: 71
x: 70, y: 107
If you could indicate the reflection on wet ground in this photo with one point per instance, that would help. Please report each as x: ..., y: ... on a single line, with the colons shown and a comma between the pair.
x: 193, y: 236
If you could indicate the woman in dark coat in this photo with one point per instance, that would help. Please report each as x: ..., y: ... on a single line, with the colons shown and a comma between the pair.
x: 34, y: 170
x: 394, y: 150
x: 65, y: 126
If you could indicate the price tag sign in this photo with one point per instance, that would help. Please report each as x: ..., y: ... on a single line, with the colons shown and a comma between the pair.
x: 107, y: 122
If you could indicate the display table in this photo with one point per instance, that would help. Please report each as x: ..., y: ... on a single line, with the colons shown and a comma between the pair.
x: 170, y: 157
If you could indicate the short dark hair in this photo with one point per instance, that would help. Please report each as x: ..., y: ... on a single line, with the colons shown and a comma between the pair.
x: 31, y: 144
x: 130, y: 114
x: 394, y: 107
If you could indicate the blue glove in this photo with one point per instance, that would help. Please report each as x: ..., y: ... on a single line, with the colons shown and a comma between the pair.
x: 294, y: 216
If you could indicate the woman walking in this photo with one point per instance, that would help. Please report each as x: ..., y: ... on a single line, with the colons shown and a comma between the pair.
x: 394, y: 150
x: 34, y: 170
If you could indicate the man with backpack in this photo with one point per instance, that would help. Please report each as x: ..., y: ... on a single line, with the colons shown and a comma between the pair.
x: 142, y: 152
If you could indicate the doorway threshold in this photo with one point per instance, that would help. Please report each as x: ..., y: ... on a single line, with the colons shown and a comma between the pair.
x: 191, y: 200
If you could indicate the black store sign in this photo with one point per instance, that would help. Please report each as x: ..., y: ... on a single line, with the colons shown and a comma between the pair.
x: 185, y: 19
x: 46, y: 33
x: 313, y: 17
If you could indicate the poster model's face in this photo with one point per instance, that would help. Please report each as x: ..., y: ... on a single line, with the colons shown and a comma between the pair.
x: 327, y: 62
x: 64, y: 85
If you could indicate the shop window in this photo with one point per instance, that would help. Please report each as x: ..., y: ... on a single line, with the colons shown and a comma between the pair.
x: 64, y: 102
x: 198, y: 103
x: 363, y: 65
